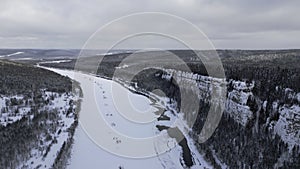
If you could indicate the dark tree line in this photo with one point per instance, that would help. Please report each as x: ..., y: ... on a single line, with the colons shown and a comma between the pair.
x: 22, y: 79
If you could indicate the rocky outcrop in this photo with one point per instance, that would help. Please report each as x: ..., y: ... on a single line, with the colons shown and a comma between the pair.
x: 249, y: 123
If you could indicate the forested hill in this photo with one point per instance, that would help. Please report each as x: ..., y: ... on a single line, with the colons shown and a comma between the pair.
x: 16, y: 78
x: 38, y: 116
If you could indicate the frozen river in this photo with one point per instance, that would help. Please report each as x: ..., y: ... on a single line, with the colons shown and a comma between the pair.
x: 109, y: 137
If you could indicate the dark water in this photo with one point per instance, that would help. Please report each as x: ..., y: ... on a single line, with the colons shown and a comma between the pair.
x: 174, y: 132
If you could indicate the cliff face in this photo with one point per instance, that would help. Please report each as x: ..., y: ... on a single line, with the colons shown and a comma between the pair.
x: 242, y: 105
x: 254, y: 131
x: 288, y: 124
x: 236, y: 102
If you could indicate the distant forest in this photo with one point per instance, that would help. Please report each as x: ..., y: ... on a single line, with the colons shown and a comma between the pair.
x: 16, y: 78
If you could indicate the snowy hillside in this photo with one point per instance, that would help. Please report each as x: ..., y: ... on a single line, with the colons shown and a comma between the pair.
x: 38, y: 117
x: 50, y: 142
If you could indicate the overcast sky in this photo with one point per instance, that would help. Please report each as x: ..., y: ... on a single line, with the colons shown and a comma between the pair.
x: 238, y: 24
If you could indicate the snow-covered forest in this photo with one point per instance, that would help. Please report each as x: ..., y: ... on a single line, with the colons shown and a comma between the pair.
x: 39, y: 114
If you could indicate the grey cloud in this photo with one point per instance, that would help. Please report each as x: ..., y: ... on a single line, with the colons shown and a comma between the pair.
x: 229, y: 24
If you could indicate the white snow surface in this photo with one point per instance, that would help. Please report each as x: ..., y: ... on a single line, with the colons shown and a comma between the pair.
x: 12, y: 54
x: 57, y: 61
x: 87, y: 154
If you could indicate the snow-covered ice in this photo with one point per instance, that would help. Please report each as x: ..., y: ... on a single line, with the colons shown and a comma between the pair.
x: 105, y: 97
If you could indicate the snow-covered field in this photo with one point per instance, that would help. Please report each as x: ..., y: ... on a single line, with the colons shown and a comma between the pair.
x: 105, y: 104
